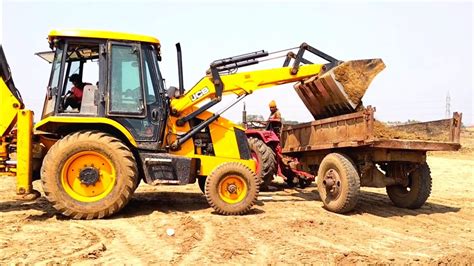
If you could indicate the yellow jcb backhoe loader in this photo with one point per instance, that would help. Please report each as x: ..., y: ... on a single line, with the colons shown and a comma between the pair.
x: 129, y: 128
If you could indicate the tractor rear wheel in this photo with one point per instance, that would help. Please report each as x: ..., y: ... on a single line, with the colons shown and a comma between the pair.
x: 232, y: 189
x: 338, y: 183
x: 265, y: 158
x: 89, y: 174
x: 416, y: 192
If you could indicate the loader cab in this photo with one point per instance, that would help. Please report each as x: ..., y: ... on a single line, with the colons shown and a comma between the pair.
x: 120, y: 77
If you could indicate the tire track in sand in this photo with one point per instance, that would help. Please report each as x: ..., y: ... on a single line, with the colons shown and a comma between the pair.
x: 139, y: 240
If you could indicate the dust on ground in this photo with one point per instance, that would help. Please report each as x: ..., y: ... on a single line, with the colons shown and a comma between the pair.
x: 286, y: 226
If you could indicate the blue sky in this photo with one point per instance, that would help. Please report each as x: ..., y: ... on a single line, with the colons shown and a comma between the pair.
x: 427, y: 46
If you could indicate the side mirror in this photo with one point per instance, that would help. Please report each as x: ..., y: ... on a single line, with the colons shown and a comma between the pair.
x: 173, y: 92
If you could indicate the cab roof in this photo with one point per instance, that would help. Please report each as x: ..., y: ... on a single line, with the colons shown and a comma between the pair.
x: 98, y: 34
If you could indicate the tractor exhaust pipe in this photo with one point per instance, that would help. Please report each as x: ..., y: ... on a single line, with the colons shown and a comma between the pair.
x: 180, y: 69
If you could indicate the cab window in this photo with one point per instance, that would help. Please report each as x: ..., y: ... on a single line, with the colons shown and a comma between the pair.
x: 81, y: 69
x: 126, y: 93
x: 50, y: 100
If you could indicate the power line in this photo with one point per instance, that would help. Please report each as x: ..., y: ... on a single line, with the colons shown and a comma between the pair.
x: 448, y: 106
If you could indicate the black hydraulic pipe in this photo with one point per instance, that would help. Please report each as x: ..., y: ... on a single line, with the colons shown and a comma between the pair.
x: 204, y: 124
x: 180, y: 69
x: 237, y: 65
x: 180, y: 122
x: 289, y: 56
x: 197, y: 129
x: 239, y: 58
x: 320, y: 54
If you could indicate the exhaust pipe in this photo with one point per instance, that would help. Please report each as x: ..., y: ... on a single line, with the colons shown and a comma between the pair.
x: 180, y: 69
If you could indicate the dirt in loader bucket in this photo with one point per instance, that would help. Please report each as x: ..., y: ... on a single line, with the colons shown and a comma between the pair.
x: 339, y: 90
x: 356, y: 76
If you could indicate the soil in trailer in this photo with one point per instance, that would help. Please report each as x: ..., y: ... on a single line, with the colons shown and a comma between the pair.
x: 418, y: 131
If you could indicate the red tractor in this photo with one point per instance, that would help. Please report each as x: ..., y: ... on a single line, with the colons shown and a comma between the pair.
x: 265, y: 146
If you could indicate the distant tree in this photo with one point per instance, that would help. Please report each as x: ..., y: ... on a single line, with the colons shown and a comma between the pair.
x: 255, y: 118
x: 289, y: 122
x: 412, y: 121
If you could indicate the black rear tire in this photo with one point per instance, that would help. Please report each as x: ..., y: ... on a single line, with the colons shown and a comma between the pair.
x: 415, y: 194
x: 346, y: 186
x: 266, y: 160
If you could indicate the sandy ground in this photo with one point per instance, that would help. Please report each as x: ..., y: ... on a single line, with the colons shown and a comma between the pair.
x: 286, y: 226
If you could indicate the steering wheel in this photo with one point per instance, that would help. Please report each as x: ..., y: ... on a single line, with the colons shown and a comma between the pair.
x: 64, y: 99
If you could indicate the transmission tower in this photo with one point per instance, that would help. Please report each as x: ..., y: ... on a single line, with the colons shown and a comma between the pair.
x: 448, y: 106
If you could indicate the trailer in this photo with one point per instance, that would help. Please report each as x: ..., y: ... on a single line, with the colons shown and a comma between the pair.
x: 346, y: 153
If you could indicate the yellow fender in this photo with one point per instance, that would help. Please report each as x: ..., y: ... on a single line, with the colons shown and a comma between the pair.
x: 44, y: 124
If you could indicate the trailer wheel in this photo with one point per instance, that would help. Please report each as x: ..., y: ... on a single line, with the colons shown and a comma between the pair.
x: 416, y: 192
x: 266, y: 161
x: 338, y: 183
x: 232, y: 189
x: 89, y: 174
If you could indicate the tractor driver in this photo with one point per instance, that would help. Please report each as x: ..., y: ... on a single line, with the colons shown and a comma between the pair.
x: 73, y: 97
x: 274, y: 120
x: 275, y: 115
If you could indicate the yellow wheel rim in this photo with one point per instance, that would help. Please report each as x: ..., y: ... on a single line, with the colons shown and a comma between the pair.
x: 89, y: 190
x: 232, y: 189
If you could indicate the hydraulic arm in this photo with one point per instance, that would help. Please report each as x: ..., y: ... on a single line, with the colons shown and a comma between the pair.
x: 322, y: 87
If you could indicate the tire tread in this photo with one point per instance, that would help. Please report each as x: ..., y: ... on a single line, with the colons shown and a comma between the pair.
x: 48, y: 174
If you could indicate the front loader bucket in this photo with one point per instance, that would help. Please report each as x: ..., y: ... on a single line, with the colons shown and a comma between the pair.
x: 339, y: 90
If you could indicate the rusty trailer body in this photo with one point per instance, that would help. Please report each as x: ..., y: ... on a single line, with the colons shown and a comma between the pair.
x: 346, y: 154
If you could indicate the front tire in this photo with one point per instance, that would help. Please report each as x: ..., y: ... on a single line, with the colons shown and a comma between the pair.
x: 89, y: 174
x: 232, y: 189
x: 338, y: 183
x: 417, y: 191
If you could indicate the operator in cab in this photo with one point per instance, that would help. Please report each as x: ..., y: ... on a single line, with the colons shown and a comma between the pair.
x: 74, y: 96
x: 274, y: 120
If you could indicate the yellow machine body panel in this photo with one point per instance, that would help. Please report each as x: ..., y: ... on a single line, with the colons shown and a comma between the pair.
x: 209, y: 163
x: 44, y: 124
x: 9, y: 106
x: 98, y: 34
x: 25, y: 152
x: 224, y: 142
